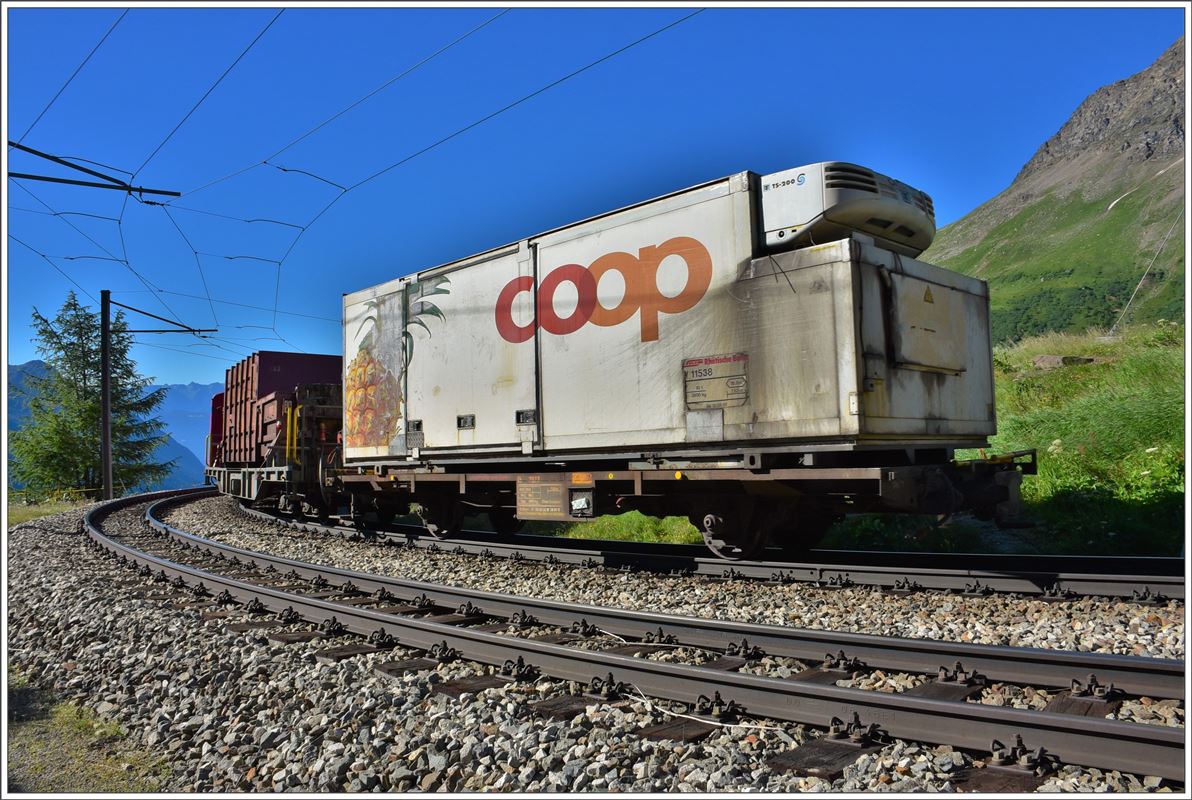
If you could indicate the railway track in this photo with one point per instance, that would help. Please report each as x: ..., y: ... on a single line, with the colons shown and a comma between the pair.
x: 447, y: 622
x: 1144, y: 579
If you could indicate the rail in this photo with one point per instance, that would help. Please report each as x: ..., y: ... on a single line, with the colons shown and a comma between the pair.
x: 1093, y: 742
x: 1152, y: 579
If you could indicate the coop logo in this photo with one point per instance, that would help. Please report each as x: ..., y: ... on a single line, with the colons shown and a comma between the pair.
x: 642, y: 294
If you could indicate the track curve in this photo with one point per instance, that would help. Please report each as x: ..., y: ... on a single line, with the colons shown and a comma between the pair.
x: 1080, y: 740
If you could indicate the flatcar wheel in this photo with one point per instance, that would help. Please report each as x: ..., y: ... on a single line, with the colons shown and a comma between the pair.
x: 741, y: 542
x: 504, y: 521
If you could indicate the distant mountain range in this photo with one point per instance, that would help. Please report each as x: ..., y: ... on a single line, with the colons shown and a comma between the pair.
x: 1064, y: 247
x: 185, y: 412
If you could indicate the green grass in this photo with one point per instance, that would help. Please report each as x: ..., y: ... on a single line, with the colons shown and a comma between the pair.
x: 19, y: 512
x: 1110, y: 437
x: 634, y: 526
x: 56, y: 746
x: 915, y: 533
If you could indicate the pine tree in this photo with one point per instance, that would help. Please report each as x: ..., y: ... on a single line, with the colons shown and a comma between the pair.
x: 58, y: 447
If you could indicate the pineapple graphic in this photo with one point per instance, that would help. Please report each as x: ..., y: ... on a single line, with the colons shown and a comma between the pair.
x: 372, y: 393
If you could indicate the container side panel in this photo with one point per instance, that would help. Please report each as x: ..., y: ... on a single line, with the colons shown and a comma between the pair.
x: 375, y: 355
x: 466, y: 382
x: 624, y: 302
x: 796, y: 322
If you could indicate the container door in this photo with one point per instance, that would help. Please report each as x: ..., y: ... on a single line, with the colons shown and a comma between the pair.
x: 929, y: 326
x: 374, y: 362
x: 470, y: 387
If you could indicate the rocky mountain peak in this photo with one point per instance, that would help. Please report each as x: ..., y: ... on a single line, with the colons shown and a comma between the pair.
x: 1139, y: 119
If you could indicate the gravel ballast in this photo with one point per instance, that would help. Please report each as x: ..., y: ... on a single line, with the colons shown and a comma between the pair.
x: 234, y: 712
x: 1086, y: 625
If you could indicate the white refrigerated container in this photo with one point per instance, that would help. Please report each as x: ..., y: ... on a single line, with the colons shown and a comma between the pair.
x: 684, y: 323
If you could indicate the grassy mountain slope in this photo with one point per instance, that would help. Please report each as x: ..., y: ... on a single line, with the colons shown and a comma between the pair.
x: 1066, y: 244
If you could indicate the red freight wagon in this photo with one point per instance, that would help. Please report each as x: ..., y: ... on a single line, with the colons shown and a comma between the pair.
x: 275, y: 426
x: 254, y: 391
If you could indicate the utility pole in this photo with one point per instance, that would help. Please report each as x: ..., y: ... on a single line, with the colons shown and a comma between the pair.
x: 105, y: 358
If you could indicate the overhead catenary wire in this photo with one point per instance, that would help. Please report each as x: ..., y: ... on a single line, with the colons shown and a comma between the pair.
x: 175, y: 207
x: 354, y: 104
x: 82, y: 258
x: 55, y: 266
x: 93, y: 258
x: 170, y: 135
x: 124, y: 250
x: 228, y: 341
x: 308, y: 174
x: 344, y: 190
x: 78, y: 69
x: 530, y: 96
x: 288, y: 342
x: 497, y: 113
x: 465, y: 129
x: 62, y: 213
x: 240, y: 257
x: 251, y: 339
x: 98, y: 164
x: 207, y: 94
x: 120, y: 228
x: 336, y: 320
x: 62, y: 216
x: 223, y: 360
x: 198, y: 263
x: 155, y: 290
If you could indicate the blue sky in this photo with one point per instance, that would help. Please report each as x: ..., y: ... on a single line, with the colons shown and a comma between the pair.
x: 953, y: 101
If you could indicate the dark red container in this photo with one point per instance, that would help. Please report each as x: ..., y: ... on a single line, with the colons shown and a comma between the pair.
x: 254, y: 392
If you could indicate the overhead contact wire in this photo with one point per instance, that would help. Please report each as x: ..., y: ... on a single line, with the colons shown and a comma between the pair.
x: 62, y: 213
x: 55, y: 266
x: 120, y: 228
x: 241, y: 305
x: 207, y: 94
x: 356, y: 103
x: 530, y: 96
x: 466, y: 128
x: 198, y: 263
x: 78, y: 69
x: 183, y: 352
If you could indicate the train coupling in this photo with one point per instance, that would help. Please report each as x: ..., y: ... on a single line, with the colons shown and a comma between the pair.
x: 992, y: 485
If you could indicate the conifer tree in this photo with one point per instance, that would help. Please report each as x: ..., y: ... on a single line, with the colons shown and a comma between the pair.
x: 58, y: 446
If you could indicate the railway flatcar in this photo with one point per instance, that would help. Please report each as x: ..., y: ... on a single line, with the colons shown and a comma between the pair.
x: 760, y: 353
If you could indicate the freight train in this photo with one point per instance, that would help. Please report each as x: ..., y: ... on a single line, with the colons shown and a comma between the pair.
x: 762, y: 354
